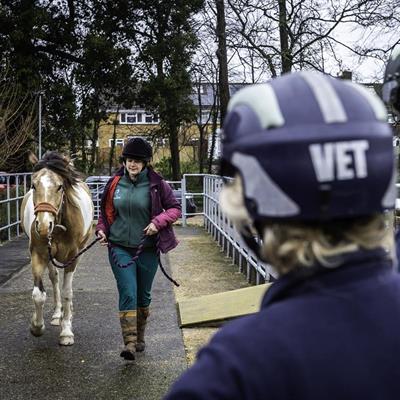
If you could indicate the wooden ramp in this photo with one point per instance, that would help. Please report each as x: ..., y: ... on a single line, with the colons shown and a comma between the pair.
x: 215, y: 308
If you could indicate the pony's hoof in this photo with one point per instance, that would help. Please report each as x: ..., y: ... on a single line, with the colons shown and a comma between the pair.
x: 66, y: 340
x: 140, y: 346
x: 55, y: 321
x: 129, y: 351
x: 37, y: 330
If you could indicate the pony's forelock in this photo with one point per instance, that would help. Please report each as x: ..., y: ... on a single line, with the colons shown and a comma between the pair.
x: 59, y: 164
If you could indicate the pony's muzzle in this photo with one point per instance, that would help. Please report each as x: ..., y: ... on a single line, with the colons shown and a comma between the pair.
x: 44, y: 228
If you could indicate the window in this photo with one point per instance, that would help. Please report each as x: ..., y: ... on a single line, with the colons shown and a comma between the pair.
x: 89, y: 143
x: 199, y: 88
x: 138, y: 117
x: 205, y: 117
x: 118, y: 142
x: 193, y: 142
x: 161, y: 142
x: 128, y: 118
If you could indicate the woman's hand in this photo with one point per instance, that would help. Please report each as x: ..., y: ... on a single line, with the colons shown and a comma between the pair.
x: 103, y: 237
x: 150, y: 229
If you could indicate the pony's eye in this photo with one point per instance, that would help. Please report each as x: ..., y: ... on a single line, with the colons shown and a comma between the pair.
x: 59, y: 188
x: 33, y: 187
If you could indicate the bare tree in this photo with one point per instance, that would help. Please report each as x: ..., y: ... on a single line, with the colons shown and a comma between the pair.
x: 17, y: 125
x: 290, y: 34
x: 223, y: 82
x: 377, y: 27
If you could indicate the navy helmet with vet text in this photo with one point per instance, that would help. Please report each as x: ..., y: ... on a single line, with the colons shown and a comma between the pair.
x: 391, y: 82
x: 310, y: 147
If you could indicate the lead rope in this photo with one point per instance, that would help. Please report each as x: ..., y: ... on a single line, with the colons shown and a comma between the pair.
x: 68, y: 263
x: 136, y: 256
x: 114, y: 257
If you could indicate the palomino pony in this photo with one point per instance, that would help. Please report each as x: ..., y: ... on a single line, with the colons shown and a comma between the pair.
x: 58, y: 208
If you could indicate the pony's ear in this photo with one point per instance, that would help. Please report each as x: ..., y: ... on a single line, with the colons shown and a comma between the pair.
x: 32, y: 158
x: 67, y: 160
x: 73, y: 157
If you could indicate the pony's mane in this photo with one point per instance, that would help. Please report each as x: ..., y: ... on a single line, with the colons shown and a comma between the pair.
x: 61, y: 166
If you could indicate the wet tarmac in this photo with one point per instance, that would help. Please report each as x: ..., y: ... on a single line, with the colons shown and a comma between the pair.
x: 38, y: 368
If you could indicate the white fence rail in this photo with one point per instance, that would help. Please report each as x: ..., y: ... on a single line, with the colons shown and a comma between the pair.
x: 12, y: 190
x: 231, y: 242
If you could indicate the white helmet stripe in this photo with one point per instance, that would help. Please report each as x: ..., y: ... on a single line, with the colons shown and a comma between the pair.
x: 260, y: 188
x: 329, y: 102
x: 389, y: 198
x: 262, y: 99
x: 373, y: 100
x: 395, y: 52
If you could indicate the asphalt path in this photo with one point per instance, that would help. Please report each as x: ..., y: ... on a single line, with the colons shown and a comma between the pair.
x: 38, y: 368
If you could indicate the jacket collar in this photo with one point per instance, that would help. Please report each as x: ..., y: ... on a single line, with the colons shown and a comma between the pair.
x: 141, y: 177
x: 356, y: 266
x: 154, y: 178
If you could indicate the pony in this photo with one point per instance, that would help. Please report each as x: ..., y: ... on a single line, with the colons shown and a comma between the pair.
x: 57, y: 216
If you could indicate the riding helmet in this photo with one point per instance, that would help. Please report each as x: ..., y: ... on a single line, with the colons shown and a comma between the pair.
x: 391, y: 82
x: 138, y: 149
x: 309, y: 147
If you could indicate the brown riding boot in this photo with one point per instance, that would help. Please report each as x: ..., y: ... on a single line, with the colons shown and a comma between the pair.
x: 143, y: 313
x: 129, y: 333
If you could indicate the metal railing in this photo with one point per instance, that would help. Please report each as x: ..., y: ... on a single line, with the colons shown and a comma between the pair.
x: 14, y: 186
x: 215, y: 222
x: 12, y: 190
x: 227, y: 236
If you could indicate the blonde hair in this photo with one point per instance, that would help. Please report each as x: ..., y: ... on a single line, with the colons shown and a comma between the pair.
x: 291, y: 245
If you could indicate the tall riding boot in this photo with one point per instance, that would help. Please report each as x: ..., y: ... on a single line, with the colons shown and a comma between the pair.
x: 129, y: 333
x: 143, y: 313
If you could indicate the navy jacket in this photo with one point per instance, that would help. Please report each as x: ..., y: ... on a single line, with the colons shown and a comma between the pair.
x: 323, y: 334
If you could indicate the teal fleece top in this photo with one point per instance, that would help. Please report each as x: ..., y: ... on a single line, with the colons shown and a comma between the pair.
x: 132, y: 205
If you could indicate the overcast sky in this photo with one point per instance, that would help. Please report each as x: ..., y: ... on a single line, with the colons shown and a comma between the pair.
x: 364, y: 69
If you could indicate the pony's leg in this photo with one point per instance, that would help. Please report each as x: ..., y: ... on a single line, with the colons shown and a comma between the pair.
x: 66, y: 335
x: 38, y: 294
x: 54, y: 278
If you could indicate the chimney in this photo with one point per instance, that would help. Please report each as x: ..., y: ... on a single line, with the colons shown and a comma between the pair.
x: 346, y: 74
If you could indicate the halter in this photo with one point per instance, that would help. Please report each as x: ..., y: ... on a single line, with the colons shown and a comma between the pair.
x: 44, y: 206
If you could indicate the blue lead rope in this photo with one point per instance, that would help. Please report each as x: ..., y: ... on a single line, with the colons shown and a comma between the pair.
x: 136, y: 256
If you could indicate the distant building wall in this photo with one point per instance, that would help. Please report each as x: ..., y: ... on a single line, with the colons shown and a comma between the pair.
x: 188, y: 138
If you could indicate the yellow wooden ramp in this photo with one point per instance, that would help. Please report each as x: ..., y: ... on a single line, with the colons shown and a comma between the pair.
x: 213, y: 309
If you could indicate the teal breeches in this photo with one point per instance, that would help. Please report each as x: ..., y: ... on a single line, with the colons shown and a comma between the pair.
x: 134, y: 282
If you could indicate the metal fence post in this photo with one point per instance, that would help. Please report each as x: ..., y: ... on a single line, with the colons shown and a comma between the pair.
x: 8, y: 209
x: 183, y: 203
x: 17, y: 202
x: 205, y: 201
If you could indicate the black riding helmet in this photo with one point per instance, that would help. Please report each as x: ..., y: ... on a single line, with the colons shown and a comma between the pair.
x: 391, y: 83
x: 138, y: 149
